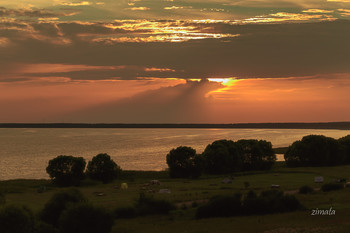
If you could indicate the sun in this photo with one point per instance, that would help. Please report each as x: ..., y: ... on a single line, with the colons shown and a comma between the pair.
x: 224, y: 81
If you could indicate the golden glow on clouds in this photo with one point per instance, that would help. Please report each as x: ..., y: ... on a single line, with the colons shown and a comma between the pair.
x: 141, y: 8
x: 317, y: 11
x: 173, y: 8
x: 84, y: 3
x: 344, y: 12
x: 159, y: 31
x: 288, y: 17
x: 4, y: 41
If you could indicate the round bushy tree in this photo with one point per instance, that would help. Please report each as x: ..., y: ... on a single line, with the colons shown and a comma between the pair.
x: 58, y: 203
x: 66, y: 170
x: 222, y: 156
x: 314, y: 150
x: 16, y: 219
x: 183, y: 162
x: 85, y: 218
x: 256, y: 155
x: 103, y: 168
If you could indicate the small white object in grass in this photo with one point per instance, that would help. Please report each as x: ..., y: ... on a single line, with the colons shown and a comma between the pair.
x: 319, y: 179
x: 124, y: 186
x: 164, y: 191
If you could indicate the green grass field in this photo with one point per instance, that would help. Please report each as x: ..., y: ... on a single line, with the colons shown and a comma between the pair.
x: 185, y: 191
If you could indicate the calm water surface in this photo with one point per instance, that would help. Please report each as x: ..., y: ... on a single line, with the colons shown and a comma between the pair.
x: 24, y: 153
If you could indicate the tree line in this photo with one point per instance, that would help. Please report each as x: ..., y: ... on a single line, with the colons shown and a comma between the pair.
x: 318, y: 150
x: 221, y: 157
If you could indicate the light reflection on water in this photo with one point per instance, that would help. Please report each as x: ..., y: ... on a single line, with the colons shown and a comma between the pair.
x: 24, y: 153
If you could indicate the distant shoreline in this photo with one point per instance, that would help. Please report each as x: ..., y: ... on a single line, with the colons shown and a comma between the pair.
x: 316, y: 125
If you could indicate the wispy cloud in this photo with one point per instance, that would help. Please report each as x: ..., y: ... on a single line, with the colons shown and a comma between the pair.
x: 83, y: 3
x: 141, y: 8
x: 317, y: 11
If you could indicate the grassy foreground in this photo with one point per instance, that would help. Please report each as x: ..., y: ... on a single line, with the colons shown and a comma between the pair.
x: 184, y: 192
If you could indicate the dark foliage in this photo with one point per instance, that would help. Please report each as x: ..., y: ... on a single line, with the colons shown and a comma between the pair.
x: 85, y: 218
x: 42, y: 227
x: 149, y: 206
x: 222, y: 156
x: 16, y: 219
x: 103, y: 168
x: 268, y: 202
x: 332, y: 186
x: 221, y: 206
x: 66, y: 170
x: 58, y: 203
x: 306, y: 189
x: 2, y: 198
x: 183, y: 163
x: 256, y: 155
x: 125, y: 212
x: 344, y: 144
x: 314, y: 150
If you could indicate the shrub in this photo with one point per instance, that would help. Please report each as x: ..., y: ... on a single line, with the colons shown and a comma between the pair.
x: 42, y: 227
x: 150, y: 206
x: 222, y: 156
x: 314, y: 150
x: 253, y: 204
x: 305, y: 189
x: 183, y: 163
x: 256, y: 155
x: 221, y: 206
x: 125, y: 212
x: 271, y: 201
x: 332, y: 186
x: 103, y: 168
x: 66, y: 170
x: 16, y: 219
x: 58, y: 203
x: 85, y: 218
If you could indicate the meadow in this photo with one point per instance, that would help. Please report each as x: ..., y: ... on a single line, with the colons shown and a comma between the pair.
x: 187, y: 194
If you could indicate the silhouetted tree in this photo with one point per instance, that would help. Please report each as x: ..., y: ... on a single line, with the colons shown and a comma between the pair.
x: 222, y: 156
x: 183, y: 162
x: 85, y: 218
x: 103, y: 168
x: 256, y: 155
x: 58, y: 203
x: 66, y: 170
x: 314, y: 150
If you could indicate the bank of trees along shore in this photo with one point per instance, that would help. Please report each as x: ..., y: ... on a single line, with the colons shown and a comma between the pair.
x: 227, y: 157
x: 221, y: 157
x: 318, y: 150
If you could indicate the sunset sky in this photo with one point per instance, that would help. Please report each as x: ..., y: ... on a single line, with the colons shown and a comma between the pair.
x: 172, y: 61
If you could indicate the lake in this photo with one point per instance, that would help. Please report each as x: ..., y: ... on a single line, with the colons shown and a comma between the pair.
x: 24, y: 153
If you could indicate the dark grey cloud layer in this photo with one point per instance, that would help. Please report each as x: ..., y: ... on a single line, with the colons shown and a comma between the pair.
x: 261, y: 50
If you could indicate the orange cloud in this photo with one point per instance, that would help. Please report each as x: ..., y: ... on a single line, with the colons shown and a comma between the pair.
x: 141, y: 8
x: 83, y: 3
